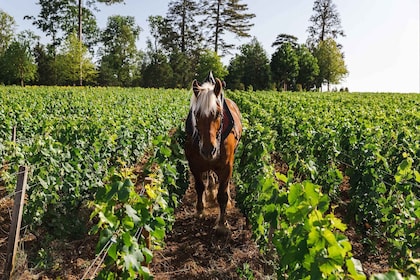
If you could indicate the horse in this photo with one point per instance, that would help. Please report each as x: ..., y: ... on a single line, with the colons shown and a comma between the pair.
x: 213, y: 129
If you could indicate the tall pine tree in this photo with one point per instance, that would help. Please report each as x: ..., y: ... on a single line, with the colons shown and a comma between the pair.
x: 223, y: 16
x: 326, y: 23
x: 184, y: 30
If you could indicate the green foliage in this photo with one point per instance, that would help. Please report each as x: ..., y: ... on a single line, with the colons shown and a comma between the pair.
x: 308, y: 68
x: 400, y: 209
x: 245, y: 272
x: 127, y: 217
x: 68, y: 62
x: 309, y: 241
x: 77, y: 139
x: 122, y: 212
x: 290, y: 216
x: 249, y: 68
x: 332, y: 68
x: 363, y: 136
x: 17, y: 64
x: 72, y: 137
x: 210, y: 61
x: 326, y: 22
x: 7, y: 26
x: 222, y: 16
x: 58, y: 19
x: 284, y: 66
x: 119, y: 55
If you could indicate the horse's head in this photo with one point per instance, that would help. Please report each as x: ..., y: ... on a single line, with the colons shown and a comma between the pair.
x: 207, y: 109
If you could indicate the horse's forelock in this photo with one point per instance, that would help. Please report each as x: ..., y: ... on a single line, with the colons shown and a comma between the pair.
x: 206, y: 102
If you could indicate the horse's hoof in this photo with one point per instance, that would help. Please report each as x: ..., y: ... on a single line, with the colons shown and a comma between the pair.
x: 222, y: 230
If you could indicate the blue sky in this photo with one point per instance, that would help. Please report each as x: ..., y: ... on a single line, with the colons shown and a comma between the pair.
x: 381, y: 47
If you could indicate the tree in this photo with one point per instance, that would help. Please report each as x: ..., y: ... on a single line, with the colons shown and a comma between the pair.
x: 60, y: 18
x: 222, y: 16
x: 184, y: 32
x: 286, y: 38
x: 308, y: 68
x: 68, y: 62
x: 326, y: 23
x: 284, y: 66
x: 80, y: 29
x: 250, y: 68
x: 158, y: 72
x: 119, y: 53
x: 183, y: 68
x: 331, y: 63
x: 17, y: 62
x: 46, y: 71
x: 7, y: 27
x: 210, y: 61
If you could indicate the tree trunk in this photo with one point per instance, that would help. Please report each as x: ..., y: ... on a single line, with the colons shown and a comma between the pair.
x: 184, y: 12
x: 216, y: 39
x: 80, y: 44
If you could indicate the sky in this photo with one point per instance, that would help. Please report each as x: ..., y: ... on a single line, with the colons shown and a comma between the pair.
x: 381, y: 47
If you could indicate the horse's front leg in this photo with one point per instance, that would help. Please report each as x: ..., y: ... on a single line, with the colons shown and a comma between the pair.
x: 199, y: 188
x: 222, y: 226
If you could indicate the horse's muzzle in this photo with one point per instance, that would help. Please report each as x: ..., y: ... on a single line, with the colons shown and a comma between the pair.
x: 209, y: 153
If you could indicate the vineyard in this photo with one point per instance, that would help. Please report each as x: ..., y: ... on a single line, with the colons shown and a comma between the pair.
x: 109, y: 162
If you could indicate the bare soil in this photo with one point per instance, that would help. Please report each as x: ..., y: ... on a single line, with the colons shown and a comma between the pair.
x: 193, y: 250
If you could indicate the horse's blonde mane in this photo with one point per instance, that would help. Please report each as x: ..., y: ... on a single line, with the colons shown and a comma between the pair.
x: 205, y: 103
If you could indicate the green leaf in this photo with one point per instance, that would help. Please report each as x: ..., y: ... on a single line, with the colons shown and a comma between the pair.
x: 417, y: 175
x: 281, y: 177
x: 133, y: 260
x: 328, y: 267
x: 128, y: 223
x: 165, y: 151
x: 329, y: 236
x: 336, y: 223
x: 294, y: 193
x: 112, y: 252
x: 391, y: 275
x: 115, y: 186
x: 354, y: 266
x: 104, y: 237
x: 124, y: 193
x: 314, y: 236
x: 336, y: 253
x: 132, y: 213
x: 158, y: 233
x: 311, y: 192
x: 127, y: 239
x: 108, y: 218
x: 147, y: 254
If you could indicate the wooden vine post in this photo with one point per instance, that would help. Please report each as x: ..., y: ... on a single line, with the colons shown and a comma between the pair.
x: 13, y: 134
x: 16, y: 221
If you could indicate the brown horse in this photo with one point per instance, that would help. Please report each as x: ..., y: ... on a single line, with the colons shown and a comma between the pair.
x: 213, y: 131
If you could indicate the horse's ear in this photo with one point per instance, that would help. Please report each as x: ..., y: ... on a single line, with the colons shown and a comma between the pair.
x: 196, y: 87
x: 218, y: 87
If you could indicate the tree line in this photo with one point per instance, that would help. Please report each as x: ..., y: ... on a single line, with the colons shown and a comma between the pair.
x: 183, y: 45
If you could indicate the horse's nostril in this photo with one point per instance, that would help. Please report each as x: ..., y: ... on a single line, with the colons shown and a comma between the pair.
x: 213, y: 151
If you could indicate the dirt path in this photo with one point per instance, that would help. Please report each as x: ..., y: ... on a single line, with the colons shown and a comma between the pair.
x: 193, y: 251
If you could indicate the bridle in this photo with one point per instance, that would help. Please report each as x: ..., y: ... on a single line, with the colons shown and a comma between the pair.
x: 219, y: 131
